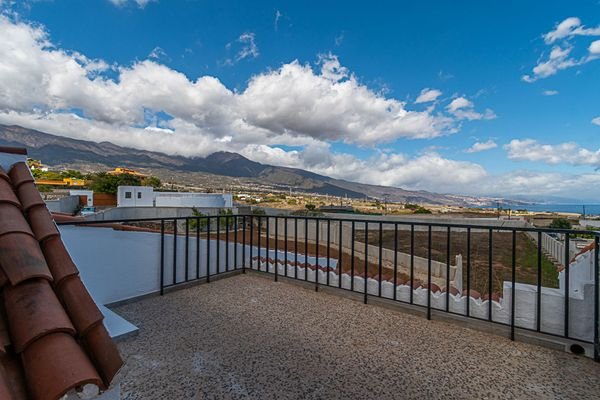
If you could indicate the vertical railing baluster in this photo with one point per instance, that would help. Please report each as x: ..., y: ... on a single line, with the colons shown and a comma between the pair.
x: 218, y: 243
x: 412, y: 262
x: 513, y: 303
x: 187, y: 247
x: 538, y: 312
x: 490, y: 266
x: 448, y: 235
x: 197, y: 247
x: 174, y: 251
x: 306, y: 249
x: 395, y: 259
x: 339, y: 261
x: 567, y: 262
x: 285, y: 238
x: 207, y: 249
x: 259, y: 229
x: 429, y: 286
x: 596, y: 298
x: 352, y: 260
x: 235, y: 242
x: 267, y: 240
x: 328, y: 249
x: 296, y: 247
x: 244, y: 244
x: 251, y: 240
x: 162, y: 257
x: 276, y: 248
x: 316, y: 254
x: 468, y: 272
x: 227, y: 243
x: 365, y: 276
x: 380, y: 263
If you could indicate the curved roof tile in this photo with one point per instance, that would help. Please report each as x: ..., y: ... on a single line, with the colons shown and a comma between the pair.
x: 29, y: 196
x: 19, y: 174
x: 42, y: 224
x: 12, y: 373
x: 7, y: 195
x: 103, y: 352
x: 12, y: 220
x: 59, y: 261
x: 33, y: 311
x: 79, y: 304
x: 55, y: 364
x: 21, y: 258
x: 3, y: 174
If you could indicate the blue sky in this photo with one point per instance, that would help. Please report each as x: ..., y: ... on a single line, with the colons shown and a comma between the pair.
x: 323, y: 86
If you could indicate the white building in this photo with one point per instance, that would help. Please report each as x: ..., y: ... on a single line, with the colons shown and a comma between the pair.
x: 89, y: 194
x: 145, y: 196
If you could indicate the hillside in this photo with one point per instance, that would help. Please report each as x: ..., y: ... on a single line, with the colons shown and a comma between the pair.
x: 232, y: 168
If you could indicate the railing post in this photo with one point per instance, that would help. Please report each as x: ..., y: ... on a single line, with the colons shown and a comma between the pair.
x: 285, y: 246
x: 380, y: 264
x: 328, y: 250
x: 317, y: 254
x: 366, y: 277
x: 448, y: 269
x: 429, y: 272
x: 412, y: 263
x: 513, y: 303
x: 567, y: 262
x: 207, y: 249
x: 468, y: 272
x: 490, y: 275
x: 539, y: 283
x: 162, y: 257
x: 187, y: 248
x: 244, y: 244
x: 197, y: 247
x: 596, y: 299
x: 174, y: 251
x: 395, y: 260
x: 276, y: 248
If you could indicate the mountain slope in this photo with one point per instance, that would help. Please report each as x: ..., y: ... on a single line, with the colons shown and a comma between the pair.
x: 65, y: 152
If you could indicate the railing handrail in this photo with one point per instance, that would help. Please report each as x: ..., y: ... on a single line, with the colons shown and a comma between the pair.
x: 357, y: 221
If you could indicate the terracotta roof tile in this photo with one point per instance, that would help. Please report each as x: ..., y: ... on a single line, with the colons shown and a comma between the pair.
x: 42, y: 224
x: 33, y: 311
x: 12, y: 373
x: 37, y: 330
x: 29, y: 196
x: 21, y: 258
x: 4, y: 335
x: 19, y: 174
x: 12, y: 220
x: 3, y: 174
x: 103, y: 352
x: 59, y: 261
x: 55, y: 364
x: 79, y: 304
x: 7, y: 195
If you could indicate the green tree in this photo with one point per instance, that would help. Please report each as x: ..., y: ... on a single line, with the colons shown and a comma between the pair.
x: 152, y: 181
x: 310, y: 207
x: 422, y: 210
x: 108, y: 183
x: 560, y: 223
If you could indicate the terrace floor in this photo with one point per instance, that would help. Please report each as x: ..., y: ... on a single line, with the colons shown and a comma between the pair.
x: 247, y: 337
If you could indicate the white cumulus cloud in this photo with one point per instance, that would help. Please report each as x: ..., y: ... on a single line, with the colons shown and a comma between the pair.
x: 482, y: 146
x: 567, y: 153
x: 462, y: 108
x: 560, y: 56
x: 428, y: 95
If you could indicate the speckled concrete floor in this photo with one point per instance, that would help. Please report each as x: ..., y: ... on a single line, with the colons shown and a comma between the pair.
x: 246, y: 337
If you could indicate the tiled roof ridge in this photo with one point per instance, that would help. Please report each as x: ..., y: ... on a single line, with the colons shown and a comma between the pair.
x: 52, y: 338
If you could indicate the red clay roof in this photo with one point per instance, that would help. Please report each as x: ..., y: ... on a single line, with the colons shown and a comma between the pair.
x: 52, y: 338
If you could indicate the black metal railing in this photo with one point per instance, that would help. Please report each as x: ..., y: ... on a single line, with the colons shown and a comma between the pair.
x: 354, y: 255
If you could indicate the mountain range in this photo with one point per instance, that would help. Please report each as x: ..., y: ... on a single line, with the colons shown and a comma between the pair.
x: 221, y: 169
